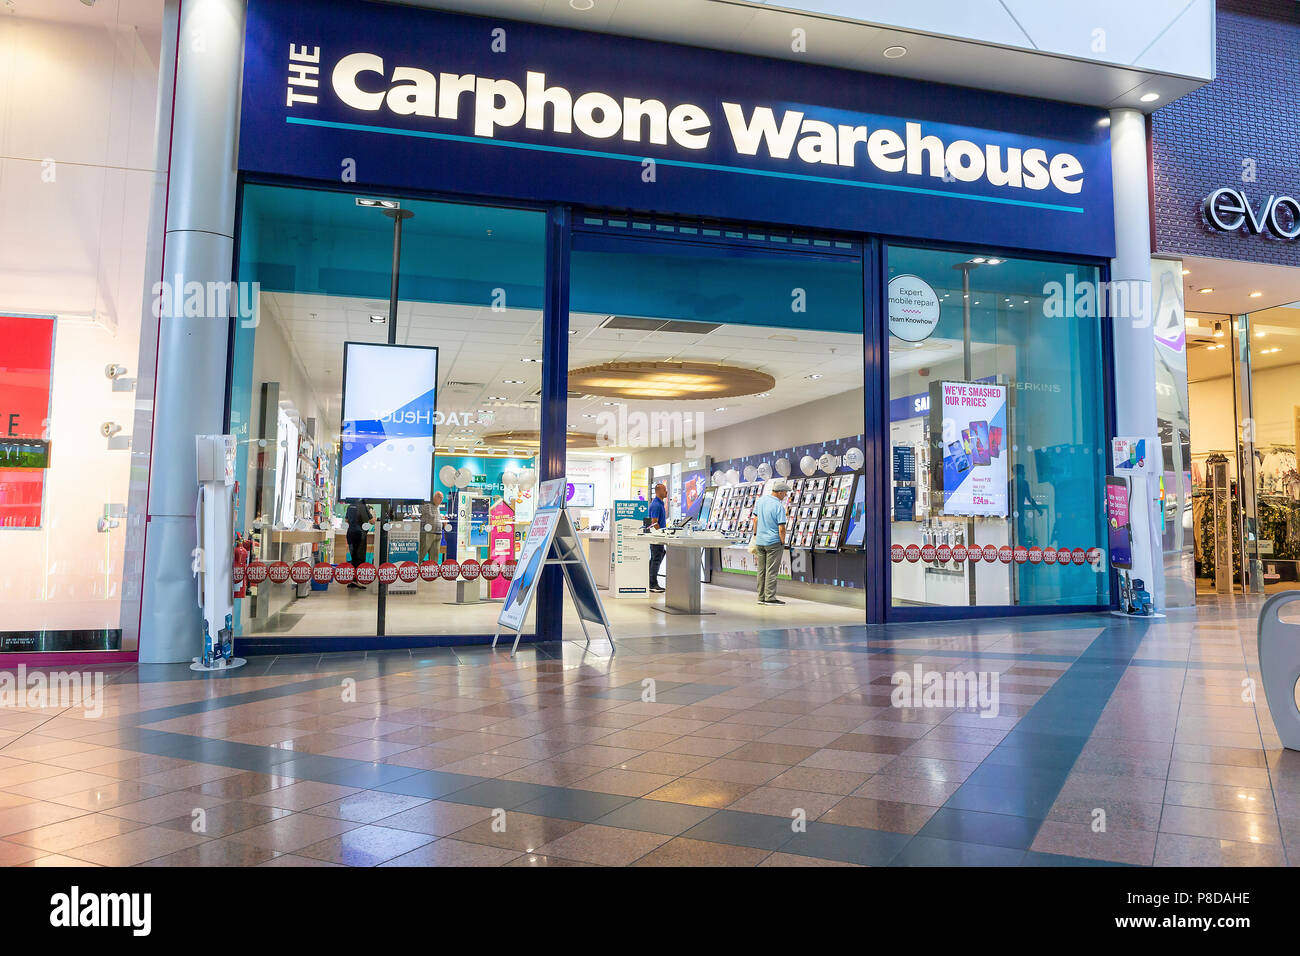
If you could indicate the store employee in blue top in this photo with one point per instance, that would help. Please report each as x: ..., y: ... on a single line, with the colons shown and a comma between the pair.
x: 658, y: 521
x: 769, y: 539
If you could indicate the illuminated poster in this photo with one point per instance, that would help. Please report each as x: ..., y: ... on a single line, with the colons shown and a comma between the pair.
x: 26, y: 374
x: 1117, y: 522
x: 389, y: 409
x: 974, y: 464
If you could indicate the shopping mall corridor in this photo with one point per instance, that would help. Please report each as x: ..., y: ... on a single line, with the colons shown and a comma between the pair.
x: 1115, y: 741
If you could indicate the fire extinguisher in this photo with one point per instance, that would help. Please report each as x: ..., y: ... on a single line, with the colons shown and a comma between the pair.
x: 241, y: 561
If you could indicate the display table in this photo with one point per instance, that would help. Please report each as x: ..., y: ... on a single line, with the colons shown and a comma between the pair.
x: 684, y: 560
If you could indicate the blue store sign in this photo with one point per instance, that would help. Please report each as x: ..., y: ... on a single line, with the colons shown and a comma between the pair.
x: 393, y: 97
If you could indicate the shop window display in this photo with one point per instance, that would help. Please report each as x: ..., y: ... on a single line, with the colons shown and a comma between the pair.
x: 997, y: 432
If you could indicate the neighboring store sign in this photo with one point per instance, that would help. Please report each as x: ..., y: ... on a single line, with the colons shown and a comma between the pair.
x: 389, y: 400
x: 974, y: 459
x: 1119, y: 533
x: 26, y: 377
x: 1230, y: 210
x: 419, y: 99
x: 913, y: 308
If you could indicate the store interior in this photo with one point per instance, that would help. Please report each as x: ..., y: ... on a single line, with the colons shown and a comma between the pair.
x: 681, y: 374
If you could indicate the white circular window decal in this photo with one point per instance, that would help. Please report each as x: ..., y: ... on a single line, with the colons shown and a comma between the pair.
x: 913, y: 308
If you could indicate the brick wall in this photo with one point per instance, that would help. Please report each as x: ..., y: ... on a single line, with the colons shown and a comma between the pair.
x: 1251, y: 111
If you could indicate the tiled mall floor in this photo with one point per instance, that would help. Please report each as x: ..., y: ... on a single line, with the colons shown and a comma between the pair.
x: 464, y: 757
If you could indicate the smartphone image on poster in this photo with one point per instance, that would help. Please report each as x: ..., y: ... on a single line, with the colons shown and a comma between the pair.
x: 965, y: 440
x: 960, y: 460
x: 979, y: 436
x: 995, y: 441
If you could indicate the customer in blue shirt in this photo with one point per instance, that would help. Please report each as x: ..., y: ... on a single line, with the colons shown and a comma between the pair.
x: 769, y: 539
x: 658, y: 521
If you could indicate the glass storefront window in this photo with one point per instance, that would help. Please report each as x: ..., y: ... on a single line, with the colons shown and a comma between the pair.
x: 997, y: 432
x: 470, y: 287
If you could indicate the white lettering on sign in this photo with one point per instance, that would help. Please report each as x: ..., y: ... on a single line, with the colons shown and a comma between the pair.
x: 491, y: 105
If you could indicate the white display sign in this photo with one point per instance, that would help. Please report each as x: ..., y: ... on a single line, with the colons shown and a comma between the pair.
x: 630, y: 558
x: 974, y: 449
x: 913, y: 308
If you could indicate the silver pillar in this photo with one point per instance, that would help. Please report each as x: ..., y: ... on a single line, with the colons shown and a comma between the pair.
x: 1134, y: 337
x: 198, y: 237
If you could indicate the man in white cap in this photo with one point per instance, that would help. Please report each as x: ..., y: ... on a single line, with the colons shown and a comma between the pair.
x: 769, y: 539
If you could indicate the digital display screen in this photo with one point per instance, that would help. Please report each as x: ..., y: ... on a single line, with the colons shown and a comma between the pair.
x: 856, y: 534
x: 389, y: 409
x: 581, y: 494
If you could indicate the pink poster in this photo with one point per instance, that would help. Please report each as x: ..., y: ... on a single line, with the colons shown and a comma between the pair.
x: 501, y: 544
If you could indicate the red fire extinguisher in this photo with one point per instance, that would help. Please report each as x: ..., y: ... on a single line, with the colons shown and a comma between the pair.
x: 241, y: 567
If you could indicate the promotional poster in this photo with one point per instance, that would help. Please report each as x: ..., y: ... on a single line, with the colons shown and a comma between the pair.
x: 1117, y: 523
x: 529, y: 565
x: 974, y: 464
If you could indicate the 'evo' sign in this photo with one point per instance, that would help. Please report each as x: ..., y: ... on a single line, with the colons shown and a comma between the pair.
x: 401, y: 97
x: 1229, y: 210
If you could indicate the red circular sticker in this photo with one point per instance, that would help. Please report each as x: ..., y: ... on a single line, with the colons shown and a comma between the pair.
x: 1004, y: 554
x: 896, y: 553
x: 491, y: 571
x: 469, y: 569
x: 449, y: 570
x: 913, y: 553
x: 257, y: 572
x: 408, y: 571
x: 1093, y: 556
x: 1049, y: 556
x: 990, y: 553
x: 278, y: 572
x: 927, y: 553
x: 323, y: 573
x: 1020, y: 555
x: 366, y: 573
x: 430, y: 570
x: 1063, y: 556
x: 508, y: 569
x: 345, y: 573
x: 1078, y: 555
x: 239, y: 571
x: 387, y: 572
x: 300, y: 573
x: 1035, y: 555
x: 943, y: 553
x: 959, y: 553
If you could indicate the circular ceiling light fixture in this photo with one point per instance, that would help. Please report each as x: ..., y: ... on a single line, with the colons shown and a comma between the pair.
x: 582, y: 5
x: 894, y: 52
x: 532, y: 439
x: 669, y: 381
x: 1149, y: 97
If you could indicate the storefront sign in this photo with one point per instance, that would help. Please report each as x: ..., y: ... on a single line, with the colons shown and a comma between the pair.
x: 409, y: 98
x: 26, y: 376
x: 1230, y: 210
x: 913, y: 308
x: 974, y: 465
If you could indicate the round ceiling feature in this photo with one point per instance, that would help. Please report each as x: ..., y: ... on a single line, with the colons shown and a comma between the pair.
x: 669, y: 381
x: 525, y: 438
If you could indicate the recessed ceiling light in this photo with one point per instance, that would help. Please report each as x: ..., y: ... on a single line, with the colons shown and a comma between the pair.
x: 995, y: 262
x: 1205, y: 290
x: 1275, y: 348
x: 894, y: 52
x: 815, y: 375
x: 1104, y: 121
x: 1256, y: 295
x: 721, y: 408
x: 611, y: 404
x: 512, y: 381
x: 978, y: 260
x: 588, y: 415
x: 1187, y: 272
x: 379, y: 203
x: 533, y: 360
x: 496, y: 398
x: 379, y: 319
x: 1259, y: 333
x: 1149, y: 97
x: 583, y: 5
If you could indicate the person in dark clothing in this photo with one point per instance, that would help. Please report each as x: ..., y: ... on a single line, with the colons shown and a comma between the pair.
x: 359, y: 516
x: 658, y: 520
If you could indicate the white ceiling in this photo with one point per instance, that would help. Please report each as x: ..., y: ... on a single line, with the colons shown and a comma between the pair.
x: 487, y: 349
x: 1234, y: 282
x: 1274, y: 342
x: 1045, y: 48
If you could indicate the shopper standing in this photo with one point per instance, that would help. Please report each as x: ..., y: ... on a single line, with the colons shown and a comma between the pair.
x: 769, y: 539
x: 658, y: 521
x: 431, y: 529
x: 359, y: 518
